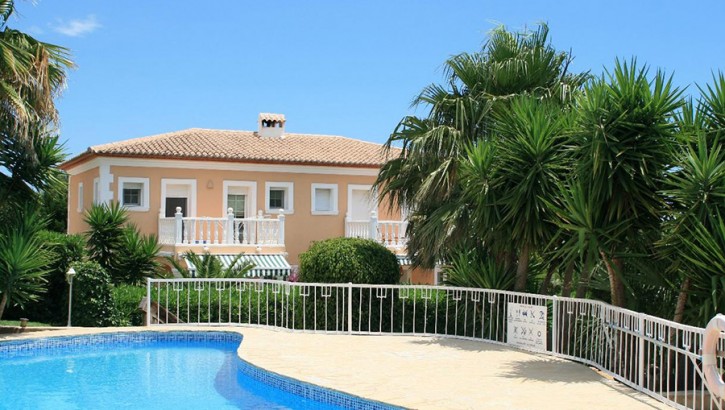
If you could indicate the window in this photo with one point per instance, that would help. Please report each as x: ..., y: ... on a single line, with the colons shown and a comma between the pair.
x: 96, y: 192
x: 238, y: 204
x: 276, y: 198
x: 280, y: 195
x: 134, y: 193
x: 80, y: 197
x: 324, y: 199
x: 241, y: 196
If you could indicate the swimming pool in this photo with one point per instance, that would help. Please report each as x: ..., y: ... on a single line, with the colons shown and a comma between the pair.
x: 159, y: 370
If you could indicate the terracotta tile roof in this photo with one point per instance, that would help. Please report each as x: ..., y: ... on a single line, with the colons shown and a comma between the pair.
x: 245, y: 146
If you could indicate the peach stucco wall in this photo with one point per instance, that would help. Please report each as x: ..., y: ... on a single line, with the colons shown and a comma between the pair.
x: 301, y: 227
x: 75, y: 217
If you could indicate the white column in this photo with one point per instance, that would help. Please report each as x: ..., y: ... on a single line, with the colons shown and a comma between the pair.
x: 347, y: 225
x: 281, y: 218
x: 229, y: 228
x: 178, y: 226
x: 374, y: 225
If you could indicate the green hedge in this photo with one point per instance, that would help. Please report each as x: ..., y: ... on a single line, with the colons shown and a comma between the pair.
x: 342, y: 260
x: 93, y: 303
x: 126, y: 299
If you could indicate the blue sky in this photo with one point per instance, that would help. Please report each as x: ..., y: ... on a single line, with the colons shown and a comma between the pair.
x: 332, y: 67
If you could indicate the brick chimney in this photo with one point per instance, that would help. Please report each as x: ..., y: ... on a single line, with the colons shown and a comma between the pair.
x: 271, y: 125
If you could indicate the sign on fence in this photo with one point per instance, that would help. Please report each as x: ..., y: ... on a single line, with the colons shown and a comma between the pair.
x: 526, y: 326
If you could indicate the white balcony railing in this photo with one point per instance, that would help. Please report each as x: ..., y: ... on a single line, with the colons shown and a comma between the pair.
x: 258, y: 231
x: 390, y: 233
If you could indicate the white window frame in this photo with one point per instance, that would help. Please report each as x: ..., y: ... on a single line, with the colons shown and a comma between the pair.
x: 144, y: 207
x: 356, y: 187
x: 251, y: 204
x: 334, y: 198
x: 289, y: 189
x: 79, y: 208
x: 191, y: 212
x: 96, y: 191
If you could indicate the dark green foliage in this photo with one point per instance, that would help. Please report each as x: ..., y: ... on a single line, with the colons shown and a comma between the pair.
x: 93, y: 303
x: 355, y: 260
x: 63, y: 251
x: 127, y: 299
x: 138, y: 257
x: 118, y: 247
x: 23, y: 260
x: 478, y: 270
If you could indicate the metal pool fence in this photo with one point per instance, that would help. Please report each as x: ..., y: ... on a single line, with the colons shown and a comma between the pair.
x: 658, y: 357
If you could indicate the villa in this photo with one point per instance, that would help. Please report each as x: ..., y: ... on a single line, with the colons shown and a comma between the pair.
x: 267, y: 193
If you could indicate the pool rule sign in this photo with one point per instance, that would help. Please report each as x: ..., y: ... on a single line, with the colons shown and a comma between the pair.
x: 526, y: 326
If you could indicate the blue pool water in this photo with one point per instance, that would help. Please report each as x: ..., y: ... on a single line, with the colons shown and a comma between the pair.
x: 136, y: 374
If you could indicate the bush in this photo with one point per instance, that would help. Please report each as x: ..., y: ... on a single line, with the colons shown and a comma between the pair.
x: 127, y: 299
x: 355, y: 260
x: 63, y: 250
x: 93, y: 303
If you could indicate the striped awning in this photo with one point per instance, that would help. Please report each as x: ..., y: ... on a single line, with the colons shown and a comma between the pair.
x: 404, y: 260
x: 265, y: 266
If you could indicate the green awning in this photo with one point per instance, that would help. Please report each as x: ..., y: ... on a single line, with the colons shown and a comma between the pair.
x: 403, y: 260
x: 266, y: 266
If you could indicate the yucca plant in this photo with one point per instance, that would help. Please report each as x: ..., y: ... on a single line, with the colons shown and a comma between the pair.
x: 139, y: 257
x: 24, y: 262
x: 105, y: 235
x: 623, y: 144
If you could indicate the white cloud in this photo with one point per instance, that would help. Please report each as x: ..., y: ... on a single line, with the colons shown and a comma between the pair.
x: 78, y: 27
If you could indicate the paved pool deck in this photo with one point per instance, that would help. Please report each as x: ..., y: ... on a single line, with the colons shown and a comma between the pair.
x: 422, y: 372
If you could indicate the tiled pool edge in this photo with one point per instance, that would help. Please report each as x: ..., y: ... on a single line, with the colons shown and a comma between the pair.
x: 25, y: 346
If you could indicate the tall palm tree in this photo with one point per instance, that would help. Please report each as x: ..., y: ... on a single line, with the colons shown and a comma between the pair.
x: 32, y: 74
x: 623, y: 143
x: 426, y: 176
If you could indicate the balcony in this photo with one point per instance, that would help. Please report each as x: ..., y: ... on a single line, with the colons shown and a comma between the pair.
x: 255, y: 233
x: 392, y: 234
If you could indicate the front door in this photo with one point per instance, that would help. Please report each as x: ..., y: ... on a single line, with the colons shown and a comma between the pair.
x: 172, y: 204
x: 361, y: 204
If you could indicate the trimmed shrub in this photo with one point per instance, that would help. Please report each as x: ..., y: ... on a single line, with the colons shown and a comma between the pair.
x: 93, y: 303
x: 127, y: 299
x: 342, y: 260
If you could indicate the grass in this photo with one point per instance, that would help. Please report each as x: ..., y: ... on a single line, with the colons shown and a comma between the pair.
x: 17, y: 323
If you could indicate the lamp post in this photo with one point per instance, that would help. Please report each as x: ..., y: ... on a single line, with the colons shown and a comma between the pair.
x: 69, y: 278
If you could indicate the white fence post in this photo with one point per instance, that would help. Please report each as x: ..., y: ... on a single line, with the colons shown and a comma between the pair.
x: 281, y: 218
x: 178, y: 226
x: 554, y: 329
x: 148, y: 301
x: 374, y: 225
x: 347, y: 225
x: 640, y: 376
x: 349, y: 307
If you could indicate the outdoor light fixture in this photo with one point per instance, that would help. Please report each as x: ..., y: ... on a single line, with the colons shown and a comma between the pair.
x: 69, y: 278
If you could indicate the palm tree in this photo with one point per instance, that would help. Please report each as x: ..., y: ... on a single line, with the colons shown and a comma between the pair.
x: 461, y: 119
x: 696, y: 192
x: 32, y: 74
x: 623, y: 143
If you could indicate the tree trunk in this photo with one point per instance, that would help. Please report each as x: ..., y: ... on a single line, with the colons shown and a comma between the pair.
x: 522, y: 270
x: 3, y: 302
x: 682, y: 300
x: 584, y: 278
x: 616, y: 285
x: 544, y: 289
x: 568, y: 274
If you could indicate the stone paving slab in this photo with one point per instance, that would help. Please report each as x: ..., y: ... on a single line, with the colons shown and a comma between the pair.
x: 424, y: 372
